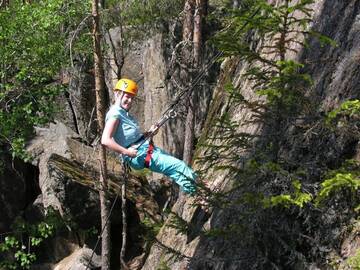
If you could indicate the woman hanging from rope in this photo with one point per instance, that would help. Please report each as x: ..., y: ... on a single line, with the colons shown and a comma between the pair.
x: 122, y: 134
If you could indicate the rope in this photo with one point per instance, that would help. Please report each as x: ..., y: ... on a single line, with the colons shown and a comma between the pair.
x: 102, y: 230
x: 170, y: 112
x: 196, y: 81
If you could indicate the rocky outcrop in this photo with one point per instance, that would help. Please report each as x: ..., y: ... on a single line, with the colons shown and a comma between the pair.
x: 79, y: 260
x: 81, y: 202
x: 64, y: 164
x: 335, y: 70
x: 76, y: 105
x: 132, y: 69
x: 335, y: 73
x: 158, y: 95
x: 177, y: 249
x: 48, y: 141
x: 67, y: 167
x: 68, y: 177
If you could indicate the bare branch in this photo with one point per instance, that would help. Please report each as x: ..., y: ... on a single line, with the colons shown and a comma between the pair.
x: 75, y: 34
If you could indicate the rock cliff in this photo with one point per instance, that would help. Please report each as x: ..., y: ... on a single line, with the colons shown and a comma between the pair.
x: 64, y: 170
x: 335, y: 73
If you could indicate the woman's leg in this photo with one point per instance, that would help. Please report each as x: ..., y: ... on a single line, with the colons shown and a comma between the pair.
x: 177, y: 170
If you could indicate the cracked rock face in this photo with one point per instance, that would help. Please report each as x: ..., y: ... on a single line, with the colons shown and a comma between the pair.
x: 48, y: 141
x: 336, y: 75
x: 79, y: 260
x: 69, y: 183
x: 68, y: 177
x: 77, y: 104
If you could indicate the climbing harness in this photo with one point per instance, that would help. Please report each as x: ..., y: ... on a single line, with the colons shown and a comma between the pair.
x: 150, y: 134
x: 148, y: 155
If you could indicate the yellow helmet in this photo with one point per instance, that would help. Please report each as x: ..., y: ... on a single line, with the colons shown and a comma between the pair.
x: 127, y: 86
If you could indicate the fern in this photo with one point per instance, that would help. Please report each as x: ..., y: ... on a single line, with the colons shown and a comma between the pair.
x: 336, y: 183
x: 298, y: 198
x: 350, y: 108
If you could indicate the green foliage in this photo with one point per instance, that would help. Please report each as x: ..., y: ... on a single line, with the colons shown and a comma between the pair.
x: 349, y: 108
x: 284, y: 88
x: 264, y: 35
x: 33, y: 50
x: 346, y: 177
x: 22, y: 251
x: 354, y: 261
x: 298, y: 198
x: 344, y: 121
x: 28, y: 49
x: 227, y: 232
x: 139, y: 18
x: 324, y: 40
x: 279, y: 32
x: 228, y: 150
x: 31, y: 108
x: 270, y: 185
x: 149, y: 230
x: 178, y: 223
x: 163, y: 266
x: 268, y: 21
x: 140, y: 13
x: 337, y: 182
x: 10, y: 242
x: 22, y: 258
x: 25, y: 259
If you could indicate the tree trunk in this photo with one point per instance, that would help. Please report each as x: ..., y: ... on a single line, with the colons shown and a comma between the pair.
x: 100, y: 113
x: 189, y: 131
x: 124, y: 219
x: 194, y: 63
x: 198, y: 16
x: 188, y: 31
x: 188, y: 20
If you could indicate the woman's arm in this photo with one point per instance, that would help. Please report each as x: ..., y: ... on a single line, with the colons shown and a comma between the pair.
x: 107, y: 139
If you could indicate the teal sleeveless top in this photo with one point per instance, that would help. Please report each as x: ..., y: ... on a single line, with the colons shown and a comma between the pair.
x: 128, y: 130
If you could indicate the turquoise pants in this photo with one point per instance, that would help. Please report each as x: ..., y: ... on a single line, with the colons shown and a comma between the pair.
x: 162, y: 162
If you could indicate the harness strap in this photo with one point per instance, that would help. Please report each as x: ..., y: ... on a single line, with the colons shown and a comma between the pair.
x: 148, y: 155
x: 136, y: 142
